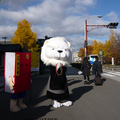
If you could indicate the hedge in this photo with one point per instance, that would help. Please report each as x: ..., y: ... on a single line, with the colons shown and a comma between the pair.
x: 76, y: 65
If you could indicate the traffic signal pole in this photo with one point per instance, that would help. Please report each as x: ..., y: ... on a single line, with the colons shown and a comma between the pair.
x: 86, y: 43
x: 86, y: 31
x: 110, y: 25
x: 85, y: 38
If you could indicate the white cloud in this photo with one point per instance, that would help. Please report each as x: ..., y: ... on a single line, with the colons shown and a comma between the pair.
x: 48, y: 12
x: 7, y: 31
x: 80, y: 6
x: 52, y: 18
x: 112, y: 16
x: 76, y: 42
x: 17, y: 4
x: 86, y: 2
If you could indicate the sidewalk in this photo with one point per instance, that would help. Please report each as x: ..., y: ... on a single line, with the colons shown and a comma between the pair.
x: 35, y: 107
x: 90, y: 102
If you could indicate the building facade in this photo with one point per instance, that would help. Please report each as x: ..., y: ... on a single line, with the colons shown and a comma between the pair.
x: 75, y: 57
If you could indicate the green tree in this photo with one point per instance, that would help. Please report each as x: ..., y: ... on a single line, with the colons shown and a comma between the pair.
x: 25, y: 37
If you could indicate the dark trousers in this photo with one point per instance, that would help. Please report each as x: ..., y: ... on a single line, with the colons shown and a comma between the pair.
x: 87, y: 77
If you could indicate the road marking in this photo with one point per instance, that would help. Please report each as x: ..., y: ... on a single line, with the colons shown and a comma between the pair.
x: 107, y: 74
x: 113, y: 75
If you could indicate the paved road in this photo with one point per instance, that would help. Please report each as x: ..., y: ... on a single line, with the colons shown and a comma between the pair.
x: 90, y: 102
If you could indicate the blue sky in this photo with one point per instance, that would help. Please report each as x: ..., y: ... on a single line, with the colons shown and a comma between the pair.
x: 63, y: 18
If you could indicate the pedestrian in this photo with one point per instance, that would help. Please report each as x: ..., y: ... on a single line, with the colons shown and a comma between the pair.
x: 97, y: 67
x: 86, y: 66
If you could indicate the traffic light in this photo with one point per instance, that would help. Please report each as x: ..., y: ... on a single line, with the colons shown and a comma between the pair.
x: 112, y: 25
x: 85, y: 44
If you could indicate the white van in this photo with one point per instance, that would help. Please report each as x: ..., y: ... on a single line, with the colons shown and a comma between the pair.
x: 91, y: 58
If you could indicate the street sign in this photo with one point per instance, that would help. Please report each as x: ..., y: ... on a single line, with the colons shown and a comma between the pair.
x: 100, y: 53
x: 112, y: 60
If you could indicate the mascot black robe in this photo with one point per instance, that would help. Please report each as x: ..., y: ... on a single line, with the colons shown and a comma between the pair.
x: 57, y: 88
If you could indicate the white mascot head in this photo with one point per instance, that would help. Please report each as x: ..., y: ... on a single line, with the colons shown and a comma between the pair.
x: 56, y: 50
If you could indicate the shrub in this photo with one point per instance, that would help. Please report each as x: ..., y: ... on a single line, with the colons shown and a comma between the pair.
x: 76, y: 65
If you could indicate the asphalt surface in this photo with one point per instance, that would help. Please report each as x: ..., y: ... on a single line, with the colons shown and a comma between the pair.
x: 90, y: 102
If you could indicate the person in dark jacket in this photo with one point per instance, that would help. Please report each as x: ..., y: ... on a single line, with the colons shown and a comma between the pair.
x: 86, y: 69
x: 97, y: 67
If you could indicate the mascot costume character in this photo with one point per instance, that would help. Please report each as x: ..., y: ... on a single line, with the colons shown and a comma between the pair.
x: 57, y: 54
x: 17, y: 78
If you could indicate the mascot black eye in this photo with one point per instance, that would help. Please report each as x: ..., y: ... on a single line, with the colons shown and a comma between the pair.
x: 65, y: 49
x: 52, y: 48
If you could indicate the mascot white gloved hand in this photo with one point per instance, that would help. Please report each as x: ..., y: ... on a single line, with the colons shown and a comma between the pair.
x: 57, y: 54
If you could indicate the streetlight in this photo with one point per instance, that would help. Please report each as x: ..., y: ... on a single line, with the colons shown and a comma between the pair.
x: 85, y: 45
x: 4, y: 39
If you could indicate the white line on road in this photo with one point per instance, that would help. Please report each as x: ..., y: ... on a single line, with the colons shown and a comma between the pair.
x: 111, y: 75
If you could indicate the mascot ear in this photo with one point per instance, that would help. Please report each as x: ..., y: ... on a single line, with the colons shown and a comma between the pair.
x: 46, y: 42
x: 68, y: 44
